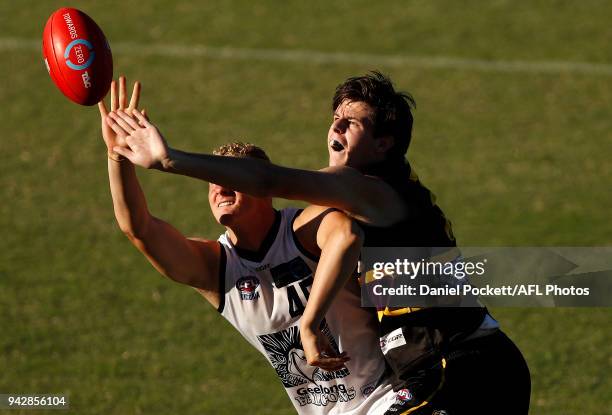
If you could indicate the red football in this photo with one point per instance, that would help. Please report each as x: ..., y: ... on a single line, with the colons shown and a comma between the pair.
x: 77, y: 56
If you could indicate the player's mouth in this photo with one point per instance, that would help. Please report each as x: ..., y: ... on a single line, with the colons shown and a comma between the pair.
x: 225, y: 203
x: 336, y: 145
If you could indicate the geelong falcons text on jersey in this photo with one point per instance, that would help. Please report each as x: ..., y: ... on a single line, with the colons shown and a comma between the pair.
x: 265, y: 294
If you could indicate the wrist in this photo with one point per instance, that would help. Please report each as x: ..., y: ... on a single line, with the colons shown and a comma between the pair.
x: 167, y: 162
x: 115, y: 156
x: 308, y: 327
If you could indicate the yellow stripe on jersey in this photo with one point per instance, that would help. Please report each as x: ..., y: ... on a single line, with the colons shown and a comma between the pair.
x: 396, y: 311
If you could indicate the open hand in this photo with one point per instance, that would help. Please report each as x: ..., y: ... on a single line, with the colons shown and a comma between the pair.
x: 146, y: 147
x: 118, y: 102
x: 319, y: 352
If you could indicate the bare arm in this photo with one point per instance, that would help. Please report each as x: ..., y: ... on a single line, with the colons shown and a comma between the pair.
x: 191, y: 262
x: 187, y: 261
x: 363, y: 197
x: 340, y: 241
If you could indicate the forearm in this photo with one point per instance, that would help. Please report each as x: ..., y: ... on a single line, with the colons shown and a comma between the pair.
x: 246, y: 175
x: 263, y: 179
x: 336, y: 265
x: 129, y: 203
x: 365, y: 198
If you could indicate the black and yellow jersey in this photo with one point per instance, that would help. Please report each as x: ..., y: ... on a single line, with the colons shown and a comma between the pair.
x: 428, y: 332
x: 425, y: 226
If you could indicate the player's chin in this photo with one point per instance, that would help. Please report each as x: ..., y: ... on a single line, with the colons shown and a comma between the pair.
x: 337, y: 158
x: 225, y: 218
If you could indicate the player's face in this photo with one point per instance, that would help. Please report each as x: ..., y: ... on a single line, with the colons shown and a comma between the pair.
x: 350, y: 140
x: 232, y: 208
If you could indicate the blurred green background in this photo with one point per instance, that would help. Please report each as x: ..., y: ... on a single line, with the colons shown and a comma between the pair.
x: 518, y: 155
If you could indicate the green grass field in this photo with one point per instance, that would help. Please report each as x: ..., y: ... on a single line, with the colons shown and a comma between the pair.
x: 517, y: 155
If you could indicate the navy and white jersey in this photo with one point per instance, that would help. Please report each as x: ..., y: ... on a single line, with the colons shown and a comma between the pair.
x: 265, y: 294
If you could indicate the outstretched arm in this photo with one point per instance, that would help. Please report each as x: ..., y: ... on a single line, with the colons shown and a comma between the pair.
x: 362, y: 197
x: 340, y: 241
x: 191, y: 262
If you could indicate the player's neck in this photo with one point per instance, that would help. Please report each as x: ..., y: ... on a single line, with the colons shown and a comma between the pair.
x: 250, y: 235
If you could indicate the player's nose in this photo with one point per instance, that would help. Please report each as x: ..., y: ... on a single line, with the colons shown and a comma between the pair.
x: 339, y: 126
x: 223, y: 191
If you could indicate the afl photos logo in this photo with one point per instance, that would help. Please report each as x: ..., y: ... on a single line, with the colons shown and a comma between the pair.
x: 83, y: 56
x: 247, y: 286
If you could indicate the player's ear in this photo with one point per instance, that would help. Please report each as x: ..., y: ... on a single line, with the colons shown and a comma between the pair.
x: 384, y: 144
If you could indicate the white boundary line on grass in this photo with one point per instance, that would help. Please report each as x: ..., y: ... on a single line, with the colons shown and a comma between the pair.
x: 318, y: 57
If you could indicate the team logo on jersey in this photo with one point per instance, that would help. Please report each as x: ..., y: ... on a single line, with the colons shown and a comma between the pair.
x: 403, y: 395
x: 285, y: 352
x: 404, y: 399
x: 247, y: 286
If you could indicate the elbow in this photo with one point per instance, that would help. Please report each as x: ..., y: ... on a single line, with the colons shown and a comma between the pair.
x: 350, y: 234
x: 357, y: 236
x: 132, y: 230
x: 126, y: 227
x: 129, y: 231
x: 130, y: 234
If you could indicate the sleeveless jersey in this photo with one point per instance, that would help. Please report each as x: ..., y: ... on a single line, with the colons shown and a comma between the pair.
x: 265, y: 294
x: 429, y: 333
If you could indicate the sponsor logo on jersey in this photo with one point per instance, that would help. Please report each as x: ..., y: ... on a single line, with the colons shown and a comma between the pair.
x: 290, y: 272
x: 322, y: 395
x: 285, y: 352
x: 262, y: 267
x: 247, y: 286
x: 368, y: 389
x: 392, y: 340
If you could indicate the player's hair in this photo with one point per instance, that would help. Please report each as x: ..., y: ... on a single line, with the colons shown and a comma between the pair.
x: 239, y: 149
x: 392, y: 109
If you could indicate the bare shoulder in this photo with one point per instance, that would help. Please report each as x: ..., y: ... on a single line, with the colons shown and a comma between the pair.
x: 210, y: 253
x: 311, y: 214
x: 206, y: 246
x: 368, y: 199
x: 342, y: 171
x: 306, y: 226
x: 354, y: 174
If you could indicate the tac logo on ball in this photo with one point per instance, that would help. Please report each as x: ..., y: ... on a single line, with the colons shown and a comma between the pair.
x: 79, y: 54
